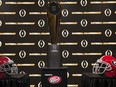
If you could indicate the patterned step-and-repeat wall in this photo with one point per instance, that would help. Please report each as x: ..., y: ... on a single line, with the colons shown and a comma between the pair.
x: 87, y: 32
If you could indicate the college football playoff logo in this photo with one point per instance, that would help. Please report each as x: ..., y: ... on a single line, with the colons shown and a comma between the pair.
x: 54, y: 79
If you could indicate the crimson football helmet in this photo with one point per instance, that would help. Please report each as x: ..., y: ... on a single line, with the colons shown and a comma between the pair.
x: 7, y: 67
x: 106, y: 65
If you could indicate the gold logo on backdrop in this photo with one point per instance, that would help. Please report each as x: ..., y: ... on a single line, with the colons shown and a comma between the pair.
x: 84, y: 22
x: 65, y: 13
x: 84, y: 64
x: 84, y: 43
x: 108, y: 33
x: 22, y: 54
x: 22, y: 13
x: 107, y: 12
x: 41, y: 43
x: 41, y: 23
x: 108, y: 52
x: 41, y: 64
x: 83, y: 3
x: 41, y: 3
x: 65, y: 54
x: 65, y: 33
x: 22, y: 33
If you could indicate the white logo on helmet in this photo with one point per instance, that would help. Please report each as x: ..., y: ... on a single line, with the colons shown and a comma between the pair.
x: 54, y: 79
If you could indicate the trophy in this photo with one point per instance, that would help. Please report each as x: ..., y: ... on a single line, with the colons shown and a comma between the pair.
x: 54, y: 53
x: 54, y: 75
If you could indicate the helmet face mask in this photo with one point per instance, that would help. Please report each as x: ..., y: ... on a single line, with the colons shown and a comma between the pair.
x: 106, y: 65
x: 101, y: 67
x: 10, y: 68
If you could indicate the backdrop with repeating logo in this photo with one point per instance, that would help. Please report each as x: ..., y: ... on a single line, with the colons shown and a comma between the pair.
x: 87, y: 32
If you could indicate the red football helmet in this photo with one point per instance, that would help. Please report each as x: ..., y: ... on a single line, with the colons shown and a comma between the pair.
x: 106, y: 65
x: 7, y: 67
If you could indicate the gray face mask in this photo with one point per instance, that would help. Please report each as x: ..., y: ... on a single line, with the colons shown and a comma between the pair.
x: 100, y: 67
x: 9, y: 68
x: 15, y: 69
